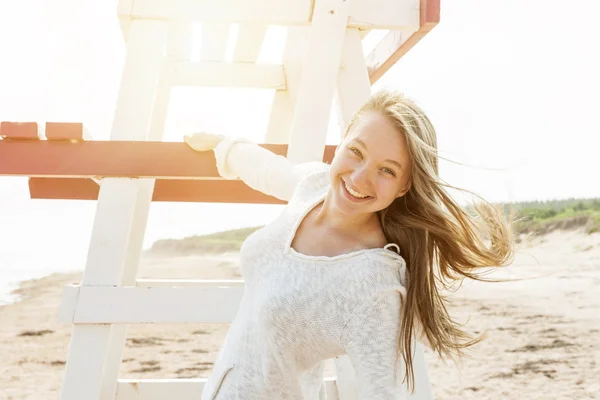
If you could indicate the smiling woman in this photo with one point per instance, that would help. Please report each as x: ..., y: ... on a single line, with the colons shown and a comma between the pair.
x: 322, y: 279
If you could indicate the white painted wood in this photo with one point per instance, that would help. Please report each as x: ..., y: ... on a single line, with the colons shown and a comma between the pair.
x: 116, y: 231
x: 353, y: 86
x: 216, y: 74
x: 124, y: 10
x: 180, y: 389
x: 368, y: 14
x: 130, y: 305
x: 385, y: 14
x: 213, y: 283
x: 318, y: 81
x: 331, y: 389
x: 228, y: 11
x: 387, y: 46
x: 284, y: 101
x: 249, y: 42
x: 179, y: 49
x: 180, y: 40
x: 346, y: 378
x: 215, y: 37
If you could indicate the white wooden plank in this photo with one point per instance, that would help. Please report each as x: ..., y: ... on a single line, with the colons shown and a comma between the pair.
x: 124, y: 10
x: 214, y: 283
x: 384, y: 14
x: 368, y: 14
x: 346, y: 379
x: 215, y: 37
x: 387, y: 51
x: 353, y: 86
x: 227, y: 11
x: 249, y: 42
x: 130, y: 305
x: 318, y: 81
x: 243, y: 75
x: 179, y: 48
x: 284, y: 101
x: 179, y: 42
x: 90, y: 374
x: 180, y: 389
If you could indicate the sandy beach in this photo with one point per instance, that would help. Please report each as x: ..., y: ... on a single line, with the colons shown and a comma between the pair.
x: 543, y: 332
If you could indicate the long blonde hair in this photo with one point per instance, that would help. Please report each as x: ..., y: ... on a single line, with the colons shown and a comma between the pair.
x: 440, y: 242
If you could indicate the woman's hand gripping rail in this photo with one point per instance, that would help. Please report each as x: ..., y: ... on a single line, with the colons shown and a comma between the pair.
x: 256, y: 166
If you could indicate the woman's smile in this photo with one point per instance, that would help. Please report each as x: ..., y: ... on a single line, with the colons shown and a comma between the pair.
x: 352, y: 194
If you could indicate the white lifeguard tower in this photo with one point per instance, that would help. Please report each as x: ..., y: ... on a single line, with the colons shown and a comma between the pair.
x: 323, y: 60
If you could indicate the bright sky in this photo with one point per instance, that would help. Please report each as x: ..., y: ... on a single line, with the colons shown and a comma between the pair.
x: 511, y: 86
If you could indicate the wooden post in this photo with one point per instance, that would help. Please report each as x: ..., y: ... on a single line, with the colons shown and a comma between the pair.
x: 95, y: 350
x: 318, y: 80
x: 284, y: 101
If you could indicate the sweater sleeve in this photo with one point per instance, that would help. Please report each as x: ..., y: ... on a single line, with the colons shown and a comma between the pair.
x: 370, y: 339
x: 260, y: 168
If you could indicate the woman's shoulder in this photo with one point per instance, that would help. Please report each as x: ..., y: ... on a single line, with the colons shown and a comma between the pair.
x: 390, y: 266
x: 312, y: 179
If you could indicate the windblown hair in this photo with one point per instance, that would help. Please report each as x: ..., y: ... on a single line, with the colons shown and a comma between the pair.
x: 441, y: 243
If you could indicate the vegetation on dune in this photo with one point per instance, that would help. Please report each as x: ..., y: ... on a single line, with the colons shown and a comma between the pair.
x: 214, y: 243
x: 541, y: 217
x: 536, y: 217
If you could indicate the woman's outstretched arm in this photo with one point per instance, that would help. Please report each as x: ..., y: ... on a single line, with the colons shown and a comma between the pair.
x: 258, y: 167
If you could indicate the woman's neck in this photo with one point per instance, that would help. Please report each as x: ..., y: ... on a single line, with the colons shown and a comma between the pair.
x: 327, y: 216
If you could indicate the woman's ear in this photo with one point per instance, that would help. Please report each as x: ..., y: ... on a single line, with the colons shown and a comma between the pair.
x: 405, y: 189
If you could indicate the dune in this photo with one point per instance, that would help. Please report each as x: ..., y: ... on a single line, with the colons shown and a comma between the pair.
x: 542, y: 331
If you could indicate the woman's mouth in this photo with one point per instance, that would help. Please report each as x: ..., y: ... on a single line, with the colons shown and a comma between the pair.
x: 353, y: 194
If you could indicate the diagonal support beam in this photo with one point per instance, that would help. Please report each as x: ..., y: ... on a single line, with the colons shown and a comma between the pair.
x: 397, y: 43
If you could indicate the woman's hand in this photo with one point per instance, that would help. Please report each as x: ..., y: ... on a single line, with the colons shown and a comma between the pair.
x: 203, y: 141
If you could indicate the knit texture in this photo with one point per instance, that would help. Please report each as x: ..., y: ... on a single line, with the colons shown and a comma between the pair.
x: 298, y: 310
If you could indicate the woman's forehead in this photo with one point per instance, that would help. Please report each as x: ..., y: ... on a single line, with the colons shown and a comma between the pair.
x: 377, y: 133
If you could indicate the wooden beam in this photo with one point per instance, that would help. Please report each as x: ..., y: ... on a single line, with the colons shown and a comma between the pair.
x: 124, y: 11
x: 214, y: 283
x: 397, y: 43
x: 131, y: 305
x: 214, y: 41
x: 384, y: 14
x: 64, y: 170
x: 370, y: 14
x: 182, y: 389
x: 114, y: 159
x: 227, y: 11
x: 184, y: 191
x: 19, y: 130
x: 249, y: 42
x: 318, y: 80
x: 219, y: 74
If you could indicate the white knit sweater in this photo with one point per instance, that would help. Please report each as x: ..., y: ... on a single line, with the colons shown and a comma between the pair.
x: 299, y: 310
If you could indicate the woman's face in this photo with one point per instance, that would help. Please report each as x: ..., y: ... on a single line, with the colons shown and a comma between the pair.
x: 371, y: 167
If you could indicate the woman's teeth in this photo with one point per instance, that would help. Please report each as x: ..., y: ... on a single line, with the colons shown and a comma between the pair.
x: 353, y: 193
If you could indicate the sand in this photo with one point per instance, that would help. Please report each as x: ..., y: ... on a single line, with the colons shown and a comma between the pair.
x: 543, y: 333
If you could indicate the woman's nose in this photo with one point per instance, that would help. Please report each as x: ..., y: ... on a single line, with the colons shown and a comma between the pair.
x: 360, y: 178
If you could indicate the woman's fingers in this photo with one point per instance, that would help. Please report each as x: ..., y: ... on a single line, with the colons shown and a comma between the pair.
x: 202, y: 141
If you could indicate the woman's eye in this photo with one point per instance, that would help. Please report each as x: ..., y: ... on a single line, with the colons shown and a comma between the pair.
x: 356, y: 151
x: 389, y: 171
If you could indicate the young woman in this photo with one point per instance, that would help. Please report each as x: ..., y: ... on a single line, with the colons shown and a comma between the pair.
x: 356, y: 262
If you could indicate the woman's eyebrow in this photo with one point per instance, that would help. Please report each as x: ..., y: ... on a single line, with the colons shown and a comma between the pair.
x: 357, y: 140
